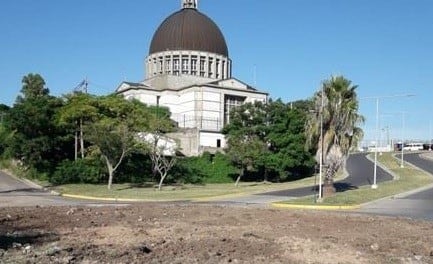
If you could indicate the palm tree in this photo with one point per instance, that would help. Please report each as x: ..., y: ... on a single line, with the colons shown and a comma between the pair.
x: 339, y: 110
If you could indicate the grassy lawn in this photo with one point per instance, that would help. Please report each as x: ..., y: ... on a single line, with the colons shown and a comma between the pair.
x: 408, y: 178
x: 181, y: 192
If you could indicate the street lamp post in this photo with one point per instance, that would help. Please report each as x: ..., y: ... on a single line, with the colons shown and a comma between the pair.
x: 374, y: 185
x: 402, y: 139
x: 318, y: 198
x: 321, y: 148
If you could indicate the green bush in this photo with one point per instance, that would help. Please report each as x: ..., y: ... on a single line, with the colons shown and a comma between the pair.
x: 209, y: 168
x: 182, y: 172
x: 136, y: 169
x: 79, y: 171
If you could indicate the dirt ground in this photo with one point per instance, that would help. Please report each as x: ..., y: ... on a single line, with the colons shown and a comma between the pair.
x: 194, y: 233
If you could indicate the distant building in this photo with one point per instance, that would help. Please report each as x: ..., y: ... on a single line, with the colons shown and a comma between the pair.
x: 188, y: 70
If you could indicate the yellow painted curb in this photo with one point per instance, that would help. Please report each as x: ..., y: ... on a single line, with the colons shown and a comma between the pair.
x: 83, y: 197
x: 316, y: 207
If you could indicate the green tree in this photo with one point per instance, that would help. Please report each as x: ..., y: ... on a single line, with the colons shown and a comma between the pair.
x: 37, y: 141
x: 338, y: 105
x: 115, y: 130
x: 159, y: 148
x: 269, y: 139
x: 246, y: 137
x: 33, y: 87
x: 4, y: 133
x: 78, y: 110
x: 286, y: 137
x: 162, y: 153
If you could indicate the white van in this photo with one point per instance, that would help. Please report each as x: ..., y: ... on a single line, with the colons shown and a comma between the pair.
x: 413, y: 146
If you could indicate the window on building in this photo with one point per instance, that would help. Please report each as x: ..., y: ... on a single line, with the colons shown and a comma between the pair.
x: 194, y: 66
x: 185, y: 65
x: 167, y: 66
x: 160, y: 65
x: 210, y: 65
x: 230, y: 103
x: 217, y: 68
x: 202, y: 66
x: 218, y: 143
x: 176, y: 66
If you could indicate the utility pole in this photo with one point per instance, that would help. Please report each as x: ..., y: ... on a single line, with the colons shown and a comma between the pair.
x: 81, y: 87
x: 319, y: 199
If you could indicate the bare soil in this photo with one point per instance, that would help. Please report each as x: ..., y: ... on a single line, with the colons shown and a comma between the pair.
x: 193, y: 233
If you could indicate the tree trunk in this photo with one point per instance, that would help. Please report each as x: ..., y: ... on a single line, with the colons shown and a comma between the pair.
x: 239, y: 177
x: 265, y: 178
x: 81, y: 139
x: 76, y: 145
x: 161, y: 181
x: 110, y: 172
x: 328, y: 189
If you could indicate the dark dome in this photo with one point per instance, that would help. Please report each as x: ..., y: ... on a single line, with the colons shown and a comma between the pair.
x: 188, y: 29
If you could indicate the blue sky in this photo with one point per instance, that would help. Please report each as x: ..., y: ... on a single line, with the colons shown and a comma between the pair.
x: 285, y: 47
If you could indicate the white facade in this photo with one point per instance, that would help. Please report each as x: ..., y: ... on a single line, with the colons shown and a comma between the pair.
x: 204, y: 106
x: 196, y: 85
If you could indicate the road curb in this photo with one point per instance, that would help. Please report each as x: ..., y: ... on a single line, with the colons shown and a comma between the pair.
x: 315, y: 207
x: 84, y: 197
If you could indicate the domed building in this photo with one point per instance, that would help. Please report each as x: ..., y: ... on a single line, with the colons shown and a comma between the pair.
x: 188, y: 70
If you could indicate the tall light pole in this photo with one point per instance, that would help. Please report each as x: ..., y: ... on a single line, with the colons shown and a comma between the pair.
x: 374, y: 185
x: 321, y: 147
x: 402, y: 139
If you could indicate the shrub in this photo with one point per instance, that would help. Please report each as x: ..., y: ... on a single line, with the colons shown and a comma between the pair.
x: 209, y: 168
x: 79, y: 171
x: 136, y: 168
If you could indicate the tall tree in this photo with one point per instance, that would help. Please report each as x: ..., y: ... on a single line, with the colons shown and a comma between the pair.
x: 246, y: 137
x: 33, y: 87
x: 37, y: 141
x: 269, y: 139
x: 79, y: 109
x: 4, y: 133
x: 115, y: 130
x: 337, y: 104
x: 286, y: 137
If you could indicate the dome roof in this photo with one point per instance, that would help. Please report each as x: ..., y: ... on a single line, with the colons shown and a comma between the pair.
x: 188, y: 29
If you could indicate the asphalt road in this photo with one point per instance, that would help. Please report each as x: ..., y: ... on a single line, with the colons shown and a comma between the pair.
x: 360, y: 170
x: 15, y: 193
x: 417, y: 204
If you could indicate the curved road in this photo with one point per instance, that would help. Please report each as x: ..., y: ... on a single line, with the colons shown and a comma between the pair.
x: 417, y: 204
x: 15, y: 192
x: 360, y: 170
x: 358, y: 166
